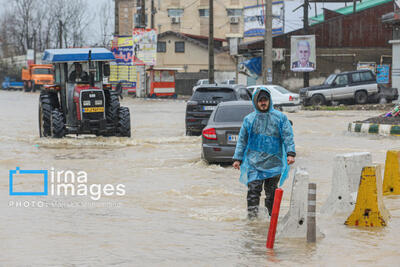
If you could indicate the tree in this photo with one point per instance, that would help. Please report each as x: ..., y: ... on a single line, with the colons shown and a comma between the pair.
x: 106, y: 28
x: 43, y: 21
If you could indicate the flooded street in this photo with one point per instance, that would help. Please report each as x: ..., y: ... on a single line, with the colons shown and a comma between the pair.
x: 177, y: 210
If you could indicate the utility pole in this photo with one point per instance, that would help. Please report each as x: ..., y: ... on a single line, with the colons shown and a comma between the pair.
x: 267, y: 62
x: 143, y: 14
x: 60, y: 25
x: 211, y: 43
x: 116, y: 18
x: 354, y: 6
x: 306, y: 75
x: 152, y: 14
x: 34, y: 47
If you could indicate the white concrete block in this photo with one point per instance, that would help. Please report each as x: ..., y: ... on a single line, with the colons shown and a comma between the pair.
x: 345, y: 181
x: 365, y: 127
x: 294, y: 223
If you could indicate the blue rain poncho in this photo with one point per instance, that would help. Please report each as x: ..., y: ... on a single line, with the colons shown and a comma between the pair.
x: 264, y: 140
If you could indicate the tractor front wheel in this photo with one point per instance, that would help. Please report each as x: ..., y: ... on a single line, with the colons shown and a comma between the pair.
x: 124, y: 122
x: 112, y: 107
x: 45, y: 109
x: 57, y: 124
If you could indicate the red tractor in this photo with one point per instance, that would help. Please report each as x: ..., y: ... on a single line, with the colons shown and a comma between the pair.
x: 81, y: 101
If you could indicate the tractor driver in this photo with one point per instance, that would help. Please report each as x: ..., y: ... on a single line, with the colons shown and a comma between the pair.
x: 78, y: 75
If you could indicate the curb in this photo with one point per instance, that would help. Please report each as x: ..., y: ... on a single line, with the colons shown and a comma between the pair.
x: 373, y: 128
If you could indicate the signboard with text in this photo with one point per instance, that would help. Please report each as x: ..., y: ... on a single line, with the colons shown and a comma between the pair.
x: 122, y: 69
x: 382, y: 74
x: 145, y: 46
x: 254, y: 18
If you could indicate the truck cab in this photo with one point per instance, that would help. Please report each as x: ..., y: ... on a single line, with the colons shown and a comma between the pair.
x: 37, y: 75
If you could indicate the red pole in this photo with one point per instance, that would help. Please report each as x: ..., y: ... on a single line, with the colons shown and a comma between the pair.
x: 274, y: 218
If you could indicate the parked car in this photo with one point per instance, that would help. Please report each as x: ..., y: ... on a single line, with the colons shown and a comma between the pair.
x: 202, y: 81
x: 232, y: 81
x: 282, y: 98
x: 221, y: 133
x: 204, y: 100
x: 356, y: 86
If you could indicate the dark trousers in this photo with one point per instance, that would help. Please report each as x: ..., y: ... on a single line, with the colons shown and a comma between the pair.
x: 254, y: 193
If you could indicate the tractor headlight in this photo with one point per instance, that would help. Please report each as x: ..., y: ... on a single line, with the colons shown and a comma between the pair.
x: 98, y: 102
x: 86, y: 103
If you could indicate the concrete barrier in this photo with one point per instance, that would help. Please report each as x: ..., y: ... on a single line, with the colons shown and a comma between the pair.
x: 391, y: 180
x: 294, y: 223
x: 345, y: 181
x: 371, y: 128
x: 369, y: 210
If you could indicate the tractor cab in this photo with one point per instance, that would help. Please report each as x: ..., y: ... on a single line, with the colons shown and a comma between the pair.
x: 81, y: 101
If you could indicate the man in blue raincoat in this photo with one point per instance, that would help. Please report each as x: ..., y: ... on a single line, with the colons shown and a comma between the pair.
x: 264, y: 150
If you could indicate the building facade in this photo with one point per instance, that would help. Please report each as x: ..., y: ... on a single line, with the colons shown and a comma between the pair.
x: 342, y: 41
x: 190, y: 53
x: 186, y: 16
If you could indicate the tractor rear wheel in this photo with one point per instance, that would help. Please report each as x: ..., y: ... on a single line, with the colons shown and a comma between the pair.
x: 45, y: 109
x: 124, y: 122
x: 57, y: 124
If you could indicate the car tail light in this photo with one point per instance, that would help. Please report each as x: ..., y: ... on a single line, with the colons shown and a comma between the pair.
x: 291, y: 98
x: 210, y: 133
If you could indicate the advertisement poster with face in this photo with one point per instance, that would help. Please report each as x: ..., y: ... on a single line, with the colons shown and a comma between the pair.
x: 302, y: 57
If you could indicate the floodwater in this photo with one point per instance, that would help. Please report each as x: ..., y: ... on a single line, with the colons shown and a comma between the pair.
x: 176, y: 210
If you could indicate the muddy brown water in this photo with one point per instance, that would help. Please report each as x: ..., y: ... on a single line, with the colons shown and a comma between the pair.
x: 177, y: 210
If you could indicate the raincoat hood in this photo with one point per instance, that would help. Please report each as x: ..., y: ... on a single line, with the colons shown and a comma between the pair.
x: 254, y: 98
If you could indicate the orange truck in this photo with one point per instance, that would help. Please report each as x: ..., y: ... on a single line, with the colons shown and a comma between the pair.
x: 37, y: 75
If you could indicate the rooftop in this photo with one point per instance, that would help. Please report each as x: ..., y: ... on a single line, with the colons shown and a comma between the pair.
x: 365, y: 4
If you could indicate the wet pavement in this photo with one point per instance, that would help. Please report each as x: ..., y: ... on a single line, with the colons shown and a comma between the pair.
x: 176, y: 210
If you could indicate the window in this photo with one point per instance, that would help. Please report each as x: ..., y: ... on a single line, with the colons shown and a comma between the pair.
x: 157, y: 76
x: 175, y: 12
x: 234, y: 12
x: 233, y: 113
x: 204, y: 12
x: 167, y: 76
x: 161, y: 47
x: 366, y: 76
x: 341, y: 80
x: 42, y: 71
x: 356, y: 77
x: 330, y: 79
x: 179, y: 47
x: 220, y: 94
x: 164, y: 76
x: 244, y: 94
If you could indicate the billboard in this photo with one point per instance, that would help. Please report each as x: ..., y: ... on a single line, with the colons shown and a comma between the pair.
x: 302, y: 53
x: 30, y: 56
x: 366, y: 66
x: 145, y: 46
x: 123, y: 69
x: 254, y: 19
x: 382, y: 74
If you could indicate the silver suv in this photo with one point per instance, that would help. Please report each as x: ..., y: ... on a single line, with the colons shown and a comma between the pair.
x: 352, y: 85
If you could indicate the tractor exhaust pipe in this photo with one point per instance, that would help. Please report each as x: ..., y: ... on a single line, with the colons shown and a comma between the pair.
x: 91, y: 76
